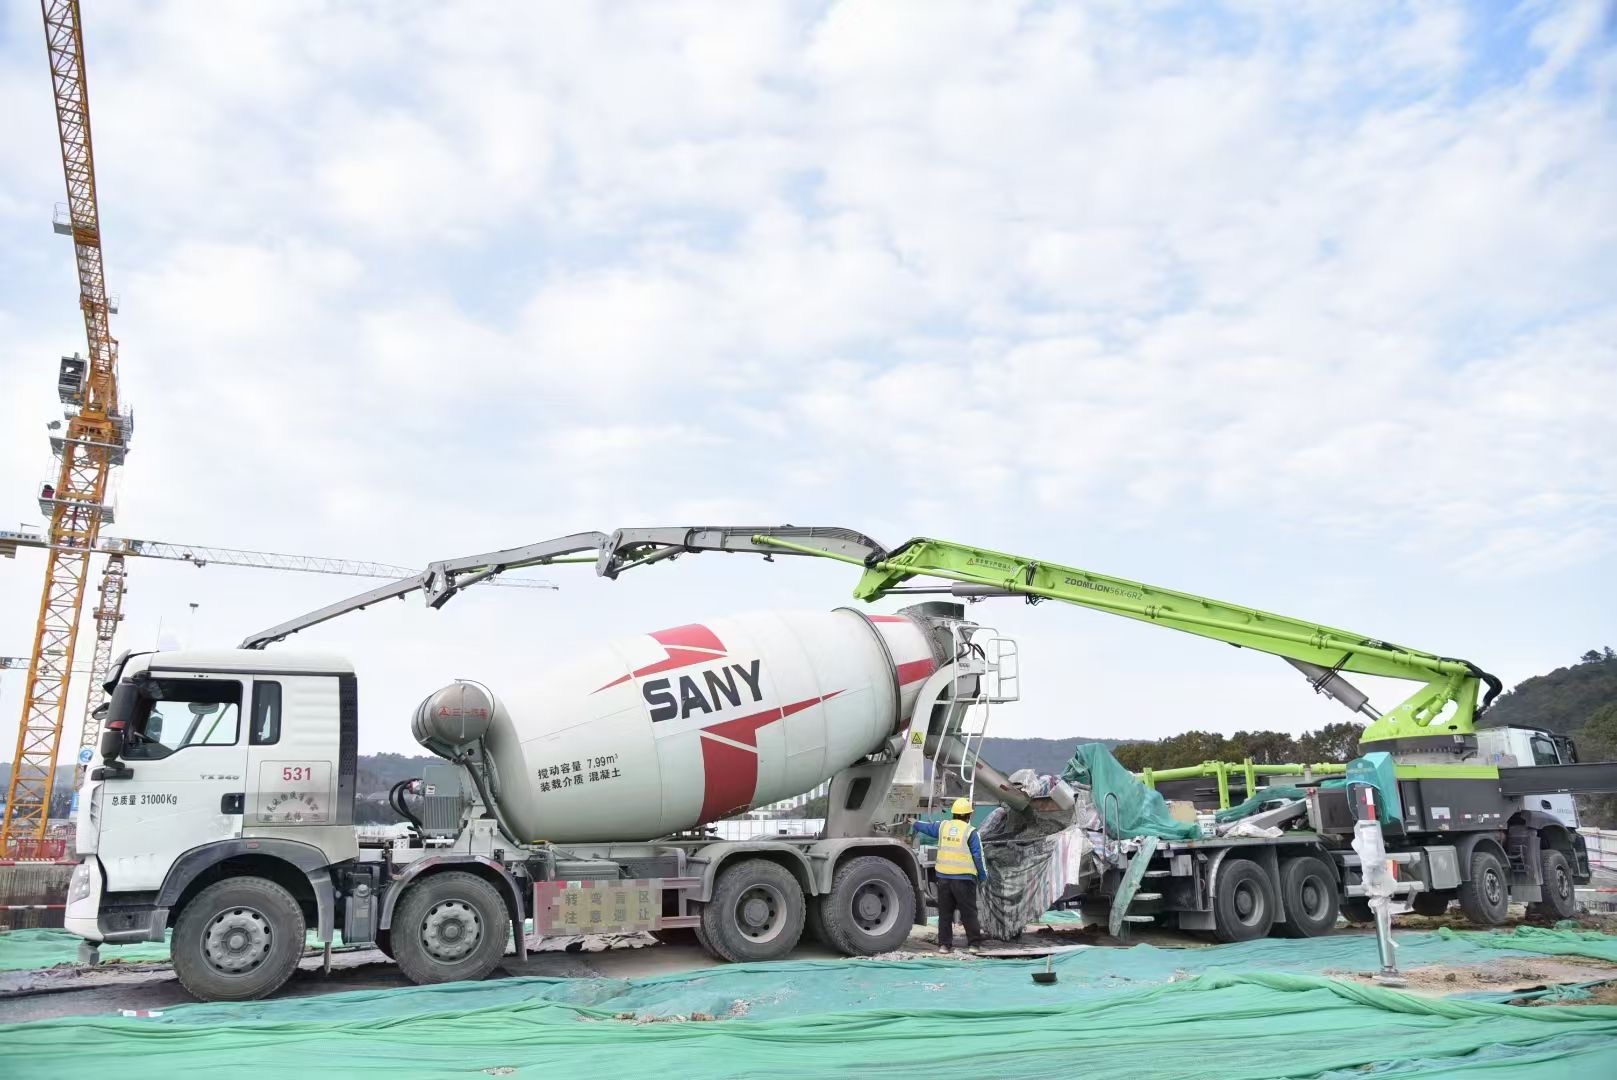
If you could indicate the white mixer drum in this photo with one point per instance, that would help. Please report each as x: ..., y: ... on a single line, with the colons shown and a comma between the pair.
x: 670, y: 730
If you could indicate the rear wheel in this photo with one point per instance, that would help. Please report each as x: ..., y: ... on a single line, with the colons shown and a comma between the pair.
x: 1485, y: 898
x: 756, y: 912
x: 238, y: 939
x: 1430, y: 903
x: 1308, y: 894
x: 1244, y: 908
x: 814, y: 920
x: 870, y: 908
x: 1560, y: 890
x: 1356, y: 910
x: 449, y: 927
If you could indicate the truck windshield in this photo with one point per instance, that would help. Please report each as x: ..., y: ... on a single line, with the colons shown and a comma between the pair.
x: 1543, y: 751
x: 165, y: 715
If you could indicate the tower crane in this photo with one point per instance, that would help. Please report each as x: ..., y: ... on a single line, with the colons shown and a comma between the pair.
x: 95, y: 440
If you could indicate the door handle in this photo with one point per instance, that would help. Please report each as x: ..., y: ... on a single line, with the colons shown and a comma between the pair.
x: 232, y: 803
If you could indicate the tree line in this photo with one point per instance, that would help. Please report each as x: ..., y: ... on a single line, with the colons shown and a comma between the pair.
x: 1331, y: 744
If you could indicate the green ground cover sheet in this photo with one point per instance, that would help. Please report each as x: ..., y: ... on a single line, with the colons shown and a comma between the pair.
x: 1257, y: 1009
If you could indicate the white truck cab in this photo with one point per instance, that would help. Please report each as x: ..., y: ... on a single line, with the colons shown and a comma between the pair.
x: 1518, y: 746
x: 196, y: 731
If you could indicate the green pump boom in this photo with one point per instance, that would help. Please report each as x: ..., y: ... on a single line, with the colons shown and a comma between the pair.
x: 1320, y: 652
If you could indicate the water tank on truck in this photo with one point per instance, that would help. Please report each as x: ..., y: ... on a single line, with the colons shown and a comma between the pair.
x: 666, y: 731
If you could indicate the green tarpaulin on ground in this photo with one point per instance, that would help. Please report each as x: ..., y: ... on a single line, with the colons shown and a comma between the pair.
x: 1257, y: 1009
x: 1229, y: 1025
x: 1564, y: 940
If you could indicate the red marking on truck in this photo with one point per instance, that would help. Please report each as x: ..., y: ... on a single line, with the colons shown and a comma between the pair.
x: 888, y: 618
x: 915, y: 669
x: 685, y: 645
x: 729, y: 771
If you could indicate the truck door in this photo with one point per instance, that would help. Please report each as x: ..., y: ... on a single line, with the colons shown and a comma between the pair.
x: 293, y: 752
x: 1545, y: 752
x: 184, y: 743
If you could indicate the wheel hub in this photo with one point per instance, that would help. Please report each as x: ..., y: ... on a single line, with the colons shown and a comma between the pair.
x: 761, y: 913
x: 451, y: 931
x: 1245, y: 902
x: 236, y: 940
x: 1490, y: 887
x: 874, y: 907
x: 1313, y: 898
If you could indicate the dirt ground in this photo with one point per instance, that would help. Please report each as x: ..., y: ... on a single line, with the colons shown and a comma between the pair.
x: 1520, y: 973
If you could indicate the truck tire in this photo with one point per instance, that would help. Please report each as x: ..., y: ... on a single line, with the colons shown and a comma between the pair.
x: 756, y: 912
x: 449, y: 927
x: 814, y: 921
x: 1430, y: 903
x: 1560, y: 889
x: 870, y: 908
x: 1485, y: 898
x: 1244, y: 908
x: 1309, y: 896
x: 1356, y: 910
x: 237, y: 940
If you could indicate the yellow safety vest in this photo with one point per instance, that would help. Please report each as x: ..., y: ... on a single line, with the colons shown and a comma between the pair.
x: 954, y: 849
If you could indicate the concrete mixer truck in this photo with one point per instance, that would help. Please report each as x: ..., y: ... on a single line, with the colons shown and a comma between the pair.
x: 223, y: 807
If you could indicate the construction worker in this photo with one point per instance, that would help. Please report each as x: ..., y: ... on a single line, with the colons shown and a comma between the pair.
x: 959, y: 867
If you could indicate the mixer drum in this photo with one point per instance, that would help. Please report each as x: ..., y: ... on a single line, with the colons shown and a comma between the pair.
x: 663, y: 732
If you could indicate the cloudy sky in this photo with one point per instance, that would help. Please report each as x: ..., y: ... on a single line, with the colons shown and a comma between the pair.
x: 1307, y: 306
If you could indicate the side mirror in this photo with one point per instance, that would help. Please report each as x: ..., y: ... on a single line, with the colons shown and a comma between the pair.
x: 112, y: 745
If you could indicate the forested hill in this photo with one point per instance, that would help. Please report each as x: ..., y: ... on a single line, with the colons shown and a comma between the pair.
x: 1563, y: 700
x: 1040, y: 755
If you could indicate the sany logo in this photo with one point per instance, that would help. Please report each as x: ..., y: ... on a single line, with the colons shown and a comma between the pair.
x: 721, y: 685
x: 729, y: 747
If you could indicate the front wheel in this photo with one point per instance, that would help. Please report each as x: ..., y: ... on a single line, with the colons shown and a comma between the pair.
x: 449, y: 927
x: 237, y: 940
x: 1485, y: 898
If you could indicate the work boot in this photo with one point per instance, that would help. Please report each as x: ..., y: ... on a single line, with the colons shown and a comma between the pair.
x: 974, y: 948
x: 945, y: 948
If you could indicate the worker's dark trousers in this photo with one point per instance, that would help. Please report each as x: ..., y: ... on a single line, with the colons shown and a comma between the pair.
x: 957, y: 893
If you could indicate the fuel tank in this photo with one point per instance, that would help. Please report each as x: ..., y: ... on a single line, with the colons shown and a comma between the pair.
x: 673, y: 729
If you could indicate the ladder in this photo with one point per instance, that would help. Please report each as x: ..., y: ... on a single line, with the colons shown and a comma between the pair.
x: 1128, y: 891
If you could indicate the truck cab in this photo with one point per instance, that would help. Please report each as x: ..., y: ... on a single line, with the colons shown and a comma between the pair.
x: 214, y: 760
x: 1521, y: 746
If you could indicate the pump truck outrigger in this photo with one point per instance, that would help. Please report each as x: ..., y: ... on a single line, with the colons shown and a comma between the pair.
x: 223, y: 808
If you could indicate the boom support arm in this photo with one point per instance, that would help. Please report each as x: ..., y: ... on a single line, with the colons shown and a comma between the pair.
x: 622, y: 550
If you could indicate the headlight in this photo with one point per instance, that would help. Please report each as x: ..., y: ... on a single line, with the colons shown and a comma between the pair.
x: 82, y: 883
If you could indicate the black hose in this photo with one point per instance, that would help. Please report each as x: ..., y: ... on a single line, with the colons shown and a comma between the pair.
x: 395, y: 799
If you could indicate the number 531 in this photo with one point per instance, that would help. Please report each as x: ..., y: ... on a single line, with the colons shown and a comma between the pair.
x: 297, y: 772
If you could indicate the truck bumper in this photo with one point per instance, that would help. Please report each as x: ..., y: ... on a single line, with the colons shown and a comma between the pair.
x: 84, y: 915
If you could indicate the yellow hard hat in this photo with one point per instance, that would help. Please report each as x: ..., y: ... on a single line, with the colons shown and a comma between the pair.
x: 961, y: 807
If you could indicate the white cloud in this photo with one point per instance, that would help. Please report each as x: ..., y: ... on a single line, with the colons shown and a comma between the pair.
x: 1214, y: 289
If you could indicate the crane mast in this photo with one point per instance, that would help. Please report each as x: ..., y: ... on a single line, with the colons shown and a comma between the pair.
x: 96, y: 438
